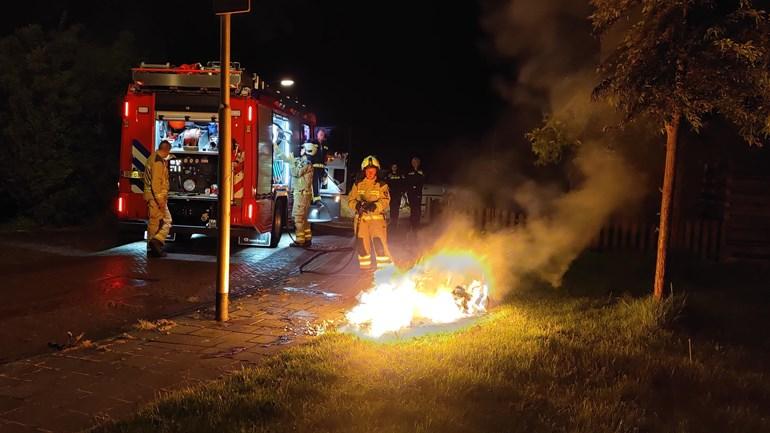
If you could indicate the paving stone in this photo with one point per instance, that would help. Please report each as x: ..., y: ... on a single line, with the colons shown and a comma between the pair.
x: 277, y: 332
x: 243, y: 329
x: 210, y: 332
x: 233, y: 339
x: 182, y: 339
x: 45, y: 417
x: 277, y: 324
x: 8, y: 403
x: 128, y: 348
x: 9, y: 426
x: 18, y: 369
x: 44, y: 381
x: 6, y: 381
x: 264, y: 339
x: 73, y: 365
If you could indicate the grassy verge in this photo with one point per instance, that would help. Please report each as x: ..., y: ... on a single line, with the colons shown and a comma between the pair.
x: 545, y: 361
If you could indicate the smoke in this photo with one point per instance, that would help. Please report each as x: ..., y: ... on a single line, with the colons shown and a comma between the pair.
x: 560, y: 225
x: 549, y: 42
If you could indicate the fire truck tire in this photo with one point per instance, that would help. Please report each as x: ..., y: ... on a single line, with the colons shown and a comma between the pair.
x: 182, y: 237
x: 279, y: 217
x: 127, y: 237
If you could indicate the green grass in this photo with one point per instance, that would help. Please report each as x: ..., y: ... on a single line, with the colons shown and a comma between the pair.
x: 545, y: 361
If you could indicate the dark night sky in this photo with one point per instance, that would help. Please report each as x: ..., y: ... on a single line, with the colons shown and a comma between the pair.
x: 408, y: 76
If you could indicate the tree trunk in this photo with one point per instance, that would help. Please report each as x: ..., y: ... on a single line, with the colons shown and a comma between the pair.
x: 672, y: 135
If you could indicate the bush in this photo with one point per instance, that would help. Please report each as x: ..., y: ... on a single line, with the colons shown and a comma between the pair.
x: 59, y: 97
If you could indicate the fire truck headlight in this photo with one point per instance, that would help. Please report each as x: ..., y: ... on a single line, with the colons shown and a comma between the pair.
x: 337, y: 198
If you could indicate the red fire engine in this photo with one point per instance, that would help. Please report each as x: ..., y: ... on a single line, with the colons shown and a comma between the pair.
x: 180, y: 104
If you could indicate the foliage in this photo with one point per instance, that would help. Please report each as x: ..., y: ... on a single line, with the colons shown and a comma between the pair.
x: 551, y: 141
x: 59, y: 101
x: 688, y: 58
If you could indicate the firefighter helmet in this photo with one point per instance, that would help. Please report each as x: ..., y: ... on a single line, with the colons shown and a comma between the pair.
x: 310, y: 148
x: 370, y: 161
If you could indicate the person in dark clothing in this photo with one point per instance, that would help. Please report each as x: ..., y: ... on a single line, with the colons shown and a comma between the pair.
x: 397, y: 185
x: 415, y: 180
x: 318, y: 158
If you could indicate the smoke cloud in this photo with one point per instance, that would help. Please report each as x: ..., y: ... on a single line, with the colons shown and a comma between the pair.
x: 559, y: 225
x: 555, y: 56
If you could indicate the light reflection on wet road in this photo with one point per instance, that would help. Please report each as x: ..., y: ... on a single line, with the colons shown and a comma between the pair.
x: 54, y: 289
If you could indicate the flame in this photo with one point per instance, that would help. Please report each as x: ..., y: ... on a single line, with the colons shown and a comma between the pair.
x: 444, y: 288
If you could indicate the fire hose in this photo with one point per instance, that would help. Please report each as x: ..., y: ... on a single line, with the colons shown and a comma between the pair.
x: 322, y: 251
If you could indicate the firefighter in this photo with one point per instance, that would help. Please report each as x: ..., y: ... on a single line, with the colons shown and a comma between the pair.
x: 317, y: 154
x: 369, y: 198
x: 156, y: 196
x: 396, y: 185
x: 302, y: 186
x: 415, y: 180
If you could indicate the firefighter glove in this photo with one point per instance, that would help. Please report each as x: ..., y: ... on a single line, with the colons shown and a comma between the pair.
x: 370, y: 206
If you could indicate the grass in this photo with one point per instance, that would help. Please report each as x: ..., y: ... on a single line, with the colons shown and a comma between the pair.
x: 544, y: 361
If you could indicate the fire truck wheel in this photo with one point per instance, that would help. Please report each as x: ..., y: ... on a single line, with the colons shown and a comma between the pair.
x: 183, y: 237
x: 127, y: 237
x: 279, y: 214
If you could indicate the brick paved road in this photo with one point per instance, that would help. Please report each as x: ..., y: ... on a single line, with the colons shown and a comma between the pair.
x: 52, y: 287
x: 75, y: 389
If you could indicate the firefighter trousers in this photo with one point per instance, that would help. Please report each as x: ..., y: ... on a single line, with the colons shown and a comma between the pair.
x: 299, y: 212
x: 372, y: 231
x: 159, y: 222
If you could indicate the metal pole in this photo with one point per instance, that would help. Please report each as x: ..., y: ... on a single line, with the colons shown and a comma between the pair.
x: 225, y: 174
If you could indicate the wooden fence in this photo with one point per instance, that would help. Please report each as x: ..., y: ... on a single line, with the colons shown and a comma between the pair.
x: 697, y: 237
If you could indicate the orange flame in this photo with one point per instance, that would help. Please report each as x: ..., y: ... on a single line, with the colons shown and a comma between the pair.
x: 444, y: 288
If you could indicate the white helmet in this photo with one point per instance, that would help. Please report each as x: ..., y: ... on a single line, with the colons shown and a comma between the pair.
x: 310, y: 148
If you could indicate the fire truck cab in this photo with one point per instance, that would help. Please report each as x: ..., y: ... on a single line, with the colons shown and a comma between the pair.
x: 180, y: 104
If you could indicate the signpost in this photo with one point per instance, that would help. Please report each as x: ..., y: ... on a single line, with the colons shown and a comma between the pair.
x: 225, y: 8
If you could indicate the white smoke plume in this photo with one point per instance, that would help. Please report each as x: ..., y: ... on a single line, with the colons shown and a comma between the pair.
x: 550, y: 41
x: 559, y: 225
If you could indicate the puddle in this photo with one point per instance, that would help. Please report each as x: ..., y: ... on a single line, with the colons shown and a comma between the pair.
x: 122, y: 282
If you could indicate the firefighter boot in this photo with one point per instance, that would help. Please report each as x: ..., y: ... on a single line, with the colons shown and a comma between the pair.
x: 156, y: 248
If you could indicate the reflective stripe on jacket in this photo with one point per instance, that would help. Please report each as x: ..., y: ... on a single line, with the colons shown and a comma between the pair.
x: 370, y: 191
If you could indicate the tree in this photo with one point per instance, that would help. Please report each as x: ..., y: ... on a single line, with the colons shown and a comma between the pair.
x: 59, y: 99
x: 679, y: 61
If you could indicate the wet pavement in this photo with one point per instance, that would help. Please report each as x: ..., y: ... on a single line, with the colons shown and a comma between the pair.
x: 77, y: 388
x: 66, y: 282
x: 87, y: 300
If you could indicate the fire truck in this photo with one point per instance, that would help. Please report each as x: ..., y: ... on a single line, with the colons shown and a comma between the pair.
x: 180, y: 104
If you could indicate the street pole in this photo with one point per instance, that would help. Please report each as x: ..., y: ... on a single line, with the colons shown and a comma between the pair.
x: 225, y: 173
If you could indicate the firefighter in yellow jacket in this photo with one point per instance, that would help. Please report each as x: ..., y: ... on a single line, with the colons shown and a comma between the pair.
x: 156, y: 196
x: 302, y: 186
x: 370, y: 198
